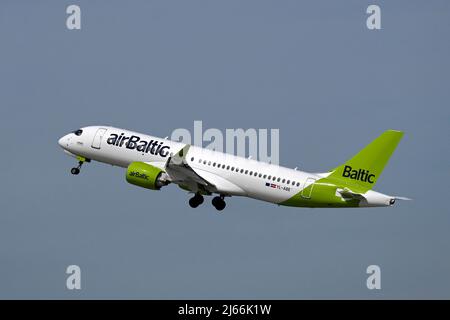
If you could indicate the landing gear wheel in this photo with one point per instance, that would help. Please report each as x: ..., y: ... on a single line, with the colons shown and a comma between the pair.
x: 196, y: 200
x: 76, y: 170
x: 200, y: 199
x: 218, y: 203
x: 193, y: 203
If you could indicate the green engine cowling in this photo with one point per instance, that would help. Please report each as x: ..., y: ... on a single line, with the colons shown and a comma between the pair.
x: 146, y: 176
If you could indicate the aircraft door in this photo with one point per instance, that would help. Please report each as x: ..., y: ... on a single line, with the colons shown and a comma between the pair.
x: 306, y: 191
x: 96, y: 143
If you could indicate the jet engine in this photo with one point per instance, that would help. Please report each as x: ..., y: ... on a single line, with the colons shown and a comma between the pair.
x: 146, y: 176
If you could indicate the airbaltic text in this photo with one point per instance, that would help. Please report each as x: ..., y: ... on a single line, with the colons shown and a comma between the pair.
x: 361, y: 174
x: 135, y: 143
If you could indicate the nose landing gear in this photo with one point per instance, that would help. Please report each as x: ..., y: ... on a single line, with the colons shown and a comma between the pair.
x: 76, y: 170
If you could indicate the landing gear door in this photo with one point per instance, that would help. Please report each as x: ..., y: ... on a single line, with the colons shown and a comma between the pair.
x: 306, y: 192
x: 96, y: 143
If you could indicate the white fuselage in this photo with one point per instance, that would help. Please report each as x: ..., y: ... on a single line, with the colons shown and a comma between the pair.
x: 233, y: 175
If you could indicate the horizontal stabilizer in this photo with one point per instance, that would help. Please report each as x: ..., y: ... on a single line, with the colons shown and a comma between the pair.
x: 346, y: 193
x: 401, y: 198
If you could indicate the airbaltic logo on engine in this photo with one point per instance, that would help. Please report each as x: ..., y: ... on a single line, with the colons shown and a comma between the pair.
x: 134, y: 142
x: 138, y: 175
x: 361, y: 175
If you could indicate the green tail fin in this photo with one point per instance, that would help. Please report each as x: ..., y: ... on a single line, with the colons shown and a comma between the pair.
x: 361, y: 172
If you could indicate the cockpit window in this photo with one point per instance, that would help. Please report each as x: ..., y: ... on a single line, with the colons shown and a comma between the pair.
x: 78, y: 132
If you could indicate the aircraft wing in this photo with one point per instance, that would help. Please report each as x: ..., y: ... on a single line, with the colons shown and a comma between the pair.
x: 181, y: 173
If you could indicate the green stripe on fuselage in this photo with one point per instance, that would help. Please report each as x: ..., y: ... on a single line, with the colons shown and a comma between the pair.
x: 322, y: 195
x: 358, y: 174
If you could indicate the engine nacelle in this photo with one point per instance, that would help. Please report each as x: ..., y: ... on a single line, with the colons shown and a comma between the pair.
x: 146, y: 176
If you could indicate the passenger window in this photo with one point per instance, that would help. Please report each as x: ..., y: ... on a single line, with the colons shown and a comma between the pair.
x: 246, y: 171
x: 284, y: 180
x: 298, y: 184
x: 192, y: 159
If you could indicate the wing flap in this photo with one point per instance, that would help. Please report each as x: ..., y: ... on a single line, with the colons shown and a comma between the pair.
x: 180, y: 172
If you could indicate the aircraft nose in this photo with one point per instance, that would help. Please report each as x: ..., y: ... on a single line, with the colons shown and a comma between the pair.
x: 63, y: 142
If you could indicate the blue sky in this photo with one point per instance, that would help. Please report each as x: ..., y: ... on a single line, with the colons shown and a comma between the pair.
x: 311, y: 69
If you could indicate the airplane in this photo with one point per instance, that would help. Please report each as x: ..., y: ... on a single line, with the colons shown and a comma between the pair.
x: 153, y: 163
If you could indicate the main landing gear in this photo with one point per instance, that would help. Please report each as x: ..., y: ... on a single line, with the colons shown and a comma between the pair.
x: 76, y: 170
x: 218, y: 203
x: 196, y: 200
